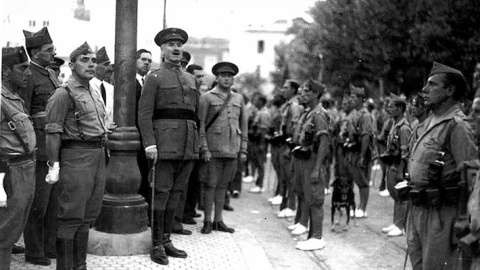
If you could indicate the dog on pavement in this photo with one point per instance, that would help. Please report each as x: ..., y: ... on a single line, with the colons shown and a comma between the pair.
x: 342, y: 197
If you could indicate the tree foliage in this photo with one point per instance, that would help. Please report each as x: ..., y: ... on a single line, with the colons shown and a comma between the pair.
x: 395, y: 42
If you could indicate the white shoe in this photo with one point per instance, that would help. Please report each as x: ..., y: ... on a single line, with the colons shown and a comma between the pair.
x: 293, y: 226
x: 286, y: 213
x: 352, y: 213
x: 256, y: 189
x: 277, y: 200
x: 299, y: 230
x: 327, y: 191
x: 247, y: 179
x: 311, y: 244
x: 396, y: 232
x: 389, y: 228
x: 384, y: 193
x: 360, y: 214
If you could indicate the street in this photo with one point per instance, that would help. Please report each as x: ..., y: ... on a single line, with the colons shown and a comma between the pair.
x: 262, y: 241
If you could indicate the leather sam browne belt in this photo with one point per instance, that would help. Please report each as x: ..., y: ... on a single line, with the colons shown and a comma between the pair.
x: 74, y: 144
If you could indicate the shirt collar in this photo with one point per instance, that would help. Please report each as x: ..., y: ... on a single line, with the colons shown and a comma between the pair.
x: 401, y: 122
x: 171, y: 66
x: 139, y: 79
x: 76, y: 84
x: 9, y: 94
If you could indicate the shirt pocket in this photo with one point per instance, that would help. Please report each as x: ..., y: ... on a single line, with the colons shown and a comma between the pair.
x: 234, y: 110
x: 170, y: 94
x: 215, y: 138
x: 190, y: 96
x: 24, y: 127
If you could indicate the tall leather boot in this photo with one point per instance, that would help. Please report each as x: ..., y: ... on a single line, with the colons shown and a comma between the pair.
x: 80, y: 247
x: 170, y: 250
x: 157, y: 252
x: 64, y: 254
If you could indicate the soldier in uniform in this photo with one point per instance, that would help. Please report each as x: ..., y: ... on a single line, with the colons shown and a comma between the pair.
x: 313, y: 149
x: 396, y: 157
x: 223, y: 135
x: 290, y: 111
x: 357, y: 148
x: 40, y: 233
x: 17, y: 152
x: 167, y: 118
x: 445, y: 142
x: 75, y: 141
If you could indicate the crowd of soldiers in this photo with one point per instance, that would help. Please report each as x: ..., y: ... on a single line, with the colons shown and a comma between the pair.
x: 54, y: 138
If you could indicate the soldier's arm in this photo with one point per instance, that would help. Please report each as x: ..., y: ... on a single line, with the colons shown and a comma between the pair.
x: 202, y: 116
x: 321, y: 132
x: 405, y: 134
x: 146, y: 106
x: 27, y: 93
x: 296, y: 111
x: 367, y: 129
x: 56, y: 113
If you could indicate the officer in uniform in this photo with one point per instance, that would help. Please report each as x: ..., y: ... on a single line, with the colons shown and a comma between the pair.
x: 357, y: 146
x: 40, y: 233
x: 75, y: 139
x: 290, y: 111
x: 446, y: 141
x: 17, y: 152
x: 395, y: 157
x: 55, y: 66
x: 223, y: 135
x: 313, y: 149
x: 168, y: 124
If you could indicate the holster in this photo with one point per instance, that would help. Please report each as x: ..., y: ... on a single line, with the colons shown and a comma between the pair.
x: 389, y: 159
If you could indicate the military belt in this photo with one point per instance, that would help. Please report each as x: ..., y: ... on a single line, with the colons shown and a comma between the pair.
x: 19, y: 159
x: 74, y: 144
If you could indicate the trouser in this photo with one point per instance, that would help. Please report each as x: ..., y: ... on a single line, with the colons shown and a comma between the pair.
x: 383, y: 183
x: 285, y: 178
x: 215, y: 175
x: 41, y: 229
x: 302, y: 214
x: 20, y: 192
x: 314, y: 189
x: 236, y: 184
x: 193, y: 191
x: 258, y: 161
x: 358, y: 172
x: 81, y: 187
x: 143, y: 166
x: 399, y: 207
x: 429, y: 237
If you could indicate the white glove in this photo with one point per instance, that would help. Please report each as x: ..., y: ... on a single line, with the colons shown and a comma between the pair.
x: 3, y: 195
x: 53, y: 173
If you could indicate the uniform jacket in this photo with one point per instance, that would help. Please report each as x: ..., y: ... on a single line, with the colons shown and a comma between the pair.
x: 450, y: 134
x: 169, y: 87
x: 319, y: 121
x: 9, y: 142
x: 227, y: 136
x: 41, y: 86
x: 291, y: 111
x: 403, y: 131
x: 61, y: 113
x: 299, y: 125
x: 95, y: 84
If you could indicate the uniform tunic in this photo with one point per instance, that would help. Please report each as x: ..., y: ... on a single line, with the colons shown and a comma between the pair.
x: 430, y: 229
x: 257, y: 150
x: 171, y: 89
x: 82, y: 170
x: 19, y: 181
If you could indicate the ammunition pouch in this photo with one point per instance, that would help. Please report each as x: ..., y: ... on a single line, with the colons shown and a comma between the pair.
x: 302, y: 152
x: 435, y: 197
x: 254, y: 135
x: 290, y: 144
x: 389, y: 159
x: 353, y: 144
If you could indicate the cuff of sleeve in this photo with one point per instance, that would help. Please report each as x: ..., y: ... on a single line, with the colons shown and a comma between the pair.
x: 53, y: 128
x: 150, y: 147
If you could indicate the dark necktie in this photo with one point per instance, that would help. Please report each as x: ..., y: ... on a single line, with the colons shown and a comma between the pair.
x: 104, y: 93
x: 143, y: 81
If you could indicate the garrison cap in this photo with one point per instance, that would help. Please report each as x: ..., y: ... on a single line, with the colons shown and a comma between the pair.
x: 14, y: 56
x: 225, y: 67
x: 396, y: 100
x: 102, y: 56
x: 186, y: 57
x: 316, y: 86
x: 83, y: 49
x: 168, y: 34
x: 37, y: 39
x: 441, y: 68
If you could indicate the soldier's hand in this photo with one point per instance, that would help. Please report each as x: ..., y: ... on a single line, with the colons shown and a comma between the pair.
x: 243, y: 157
x: 152, y: 153
x: 315, y: 174
x: 53, y: 173
x: 206, y: 156
x: 3, y: 194
x: 111, y: 127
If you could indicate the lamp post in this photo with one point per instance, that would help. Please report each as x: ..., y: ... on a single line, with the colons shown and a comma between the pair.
x: 121, y: 228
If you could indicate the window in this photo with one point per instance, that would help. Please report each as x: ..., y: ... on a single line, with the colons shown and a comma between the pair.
x: 31, y: 23
x: 46, y: 23
x: 260, y: 46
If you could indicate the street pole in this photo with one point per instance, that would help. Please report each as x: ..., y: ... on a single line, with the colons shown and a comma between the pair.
x: 121, y: 228
x: 164, y: 14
